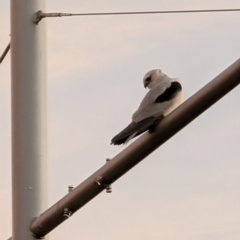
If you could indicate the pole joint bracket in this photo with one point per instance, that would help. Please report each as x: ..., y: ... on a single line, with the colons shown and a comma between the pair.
x: 39, y: 16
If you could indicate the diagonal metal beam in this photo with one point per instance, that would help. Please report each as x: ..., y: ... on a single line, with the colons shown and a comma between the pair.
x: 137, y: 151
x: 4, y: 53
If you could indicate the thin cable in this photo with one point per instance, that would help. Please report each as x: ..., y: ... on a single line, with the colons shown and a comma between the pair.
x: 40, y: 14
x: 156, y: 12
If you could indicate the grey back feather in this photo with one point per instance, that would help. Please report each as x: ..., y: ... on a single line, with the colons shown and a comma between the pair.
x: 147, y: 107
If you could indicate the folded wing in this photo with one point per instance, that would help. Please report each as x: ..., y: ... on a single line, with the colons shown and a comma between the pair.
x: 132, y: 130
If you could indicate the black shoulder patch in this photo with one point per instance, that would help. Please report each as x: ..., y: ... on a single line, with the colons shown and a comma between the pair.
x: 169, y: 93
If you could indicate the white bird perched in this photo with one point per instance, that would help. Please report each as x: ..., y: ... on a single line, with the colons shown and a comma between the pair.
x: 164, y: 96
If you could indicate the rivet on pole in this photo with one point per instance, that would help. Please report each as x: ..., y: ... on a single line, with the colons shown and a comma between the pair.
x: 67, y: 213
x: 108, y: 187
x: 70, y: 188
x: 99, y: 180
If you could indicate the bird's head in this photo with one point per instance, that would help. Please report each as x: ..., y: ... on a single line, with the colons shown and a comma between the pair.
x: 153, y: 77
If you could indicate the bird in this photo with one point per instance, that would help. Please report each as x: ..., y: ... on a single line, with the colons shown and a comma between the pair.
x: 164, y: 95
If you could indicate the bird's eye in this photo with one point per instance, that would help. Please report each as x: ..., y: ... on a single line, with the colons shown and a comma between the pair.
x: 148, y: 79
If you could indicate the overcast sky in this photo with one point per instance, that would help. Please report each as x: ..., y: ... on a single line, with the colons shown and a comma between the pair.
x: 188, y: 189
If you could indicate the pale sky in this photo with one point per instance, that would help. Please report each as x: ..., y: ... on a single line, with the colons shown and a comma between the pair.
x: 189, y: 188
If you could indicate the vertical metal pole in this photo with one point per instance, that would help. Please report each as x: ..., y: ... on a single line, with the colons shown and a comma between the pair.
x: 29, y: 143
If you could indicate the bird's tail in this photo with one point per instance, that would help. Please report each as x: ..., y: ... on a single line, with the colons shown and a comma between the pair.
x: 132, y: 130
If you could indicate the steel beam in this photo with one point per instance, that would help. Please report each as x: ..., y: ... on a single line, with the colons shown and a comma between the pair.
x: 137, y: 151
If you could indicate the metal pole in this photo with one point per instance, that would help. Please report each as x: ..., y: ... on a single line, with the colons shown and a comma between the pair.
x: 137, y: 151
x: 29, y: 145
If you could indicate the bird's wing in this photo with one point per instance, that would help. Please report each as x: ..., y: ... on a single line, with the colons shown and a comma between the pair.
x: 148, y: 107
x: 132, y: 130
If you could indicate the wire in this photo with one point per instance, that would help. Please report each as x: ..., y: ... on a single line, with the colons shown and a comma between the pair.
x: 41, y: 15
x: 156, y: 12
